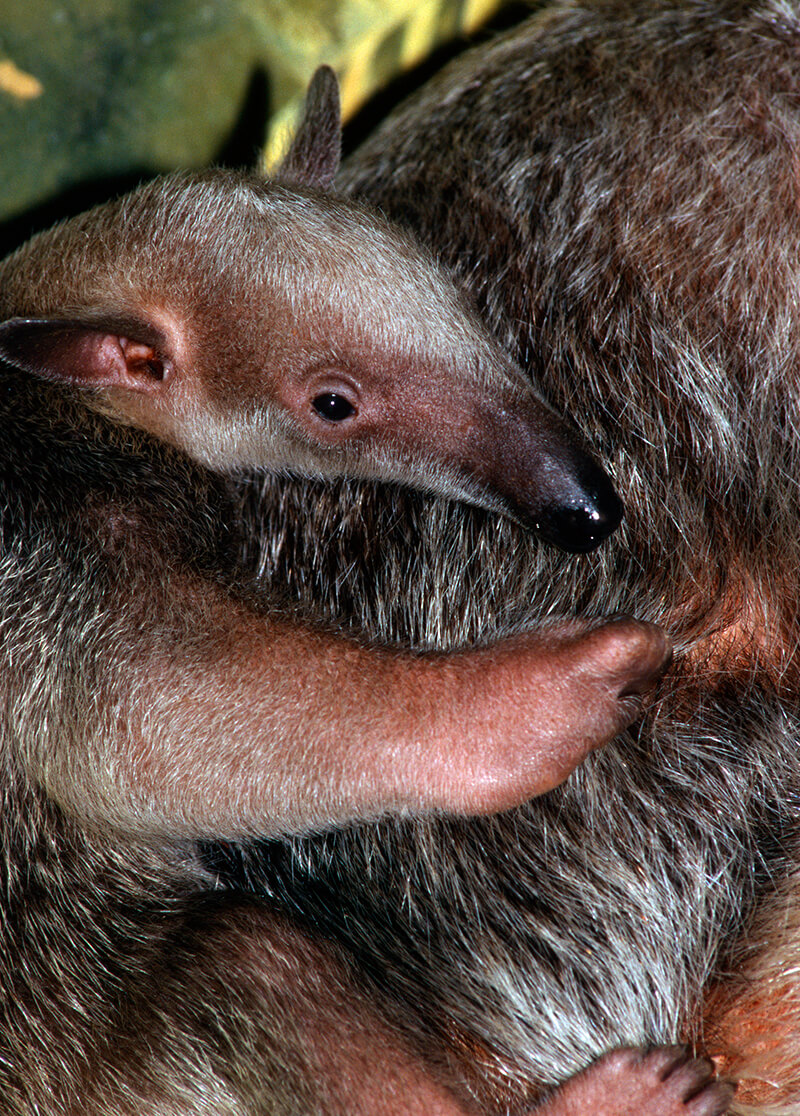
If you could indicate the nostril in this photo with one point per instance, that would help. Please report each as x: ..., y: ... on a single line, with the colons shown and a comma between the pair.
x: 585, y: 519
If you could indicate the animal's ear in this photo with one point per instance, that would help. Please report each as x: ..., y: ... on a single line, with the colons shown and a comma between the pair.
x: 313, y: 159
x: 88, y: 354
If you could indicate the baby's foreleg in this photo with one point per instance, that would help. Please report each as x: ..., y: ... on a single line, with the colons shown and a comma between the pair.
x: 217, y: 722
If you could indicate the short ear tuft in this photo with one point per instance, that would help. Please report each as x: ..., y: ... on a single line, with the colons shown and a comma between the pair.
x: 87, y: 355
x: 313, y: 159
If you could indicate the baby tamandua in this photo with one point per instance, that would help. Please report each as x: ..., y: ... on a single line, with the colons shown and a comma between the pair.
x: 203, y: 325
x: 261, y: 325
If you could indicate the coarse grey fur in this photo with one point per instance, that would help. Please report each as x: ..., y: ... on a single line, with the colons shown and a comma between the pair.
x: 616, y: 184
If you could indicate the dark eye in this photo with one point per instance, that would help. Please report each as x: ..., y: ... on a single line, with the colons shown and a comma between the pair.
x: 333, y: 407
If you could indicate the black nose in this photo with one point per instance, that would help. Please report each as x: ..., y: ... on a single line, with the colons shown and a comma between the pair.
x: 583, y: 518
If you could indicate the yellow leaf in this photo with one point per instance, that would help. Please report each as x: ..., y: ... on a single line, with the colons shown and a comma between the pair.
x: 18, y: 83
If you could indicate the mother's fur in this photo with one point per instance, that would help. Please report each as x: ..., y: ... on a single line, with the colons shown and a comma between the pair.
x: 617, y: 185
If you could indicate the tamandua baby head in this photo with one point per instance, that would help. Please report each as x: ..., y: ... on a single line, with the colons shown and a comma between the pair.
x: 270, y: 324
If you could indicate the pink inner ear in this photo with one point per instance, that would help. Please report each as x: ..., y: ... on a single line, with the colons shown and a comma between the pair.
x: 74, y: 353
x: 98, y: 359
x: 107, y: 360
x: 144, y: 368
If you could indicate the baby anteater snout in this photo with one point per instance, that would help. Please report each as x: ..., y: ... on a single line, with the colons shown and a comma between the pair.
x: 587, y: 512
x: 547, y: 480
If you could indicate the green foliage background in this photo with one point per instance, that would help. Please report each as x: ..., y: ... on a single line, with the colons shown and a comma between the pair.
x: 91, y: 89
